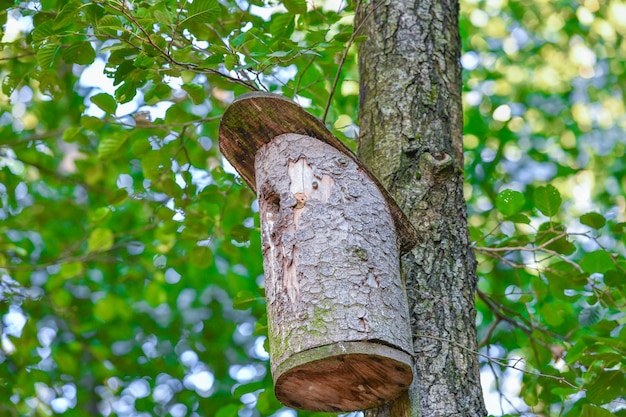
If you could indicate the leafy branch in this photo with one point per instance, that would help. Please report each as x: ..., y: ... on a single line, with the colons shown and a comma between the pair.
x: 188, y: 66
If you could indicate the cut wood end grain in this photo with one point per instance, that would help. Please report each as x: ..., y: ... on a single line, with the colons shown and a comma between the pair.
x: 348, y: 376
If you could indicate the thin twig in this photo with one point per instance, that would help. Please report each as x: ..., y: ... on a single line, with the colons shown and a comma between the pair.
x: 500, y: 361
x: 521, y: 248
x: 11, y: 58
x: 345, y: 55
x: 38, y: 136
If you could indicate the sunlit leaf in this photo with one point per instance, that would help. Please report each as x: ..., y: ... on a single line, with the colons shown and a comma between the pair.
x: 46, y: 55
x: 196, y: 93
x: 72, y: 134
x: 105, y: 101
x: 510, y: 202
x: 203, y: 11
x: 43, y: 32
x: 296, y: 6
x: 155, y: 294
x: 107, y: 308
x: 110, y: 145
x: 100, y: 239
x: 68, y: 14
x: 71, y: 269
x: 547, y: 200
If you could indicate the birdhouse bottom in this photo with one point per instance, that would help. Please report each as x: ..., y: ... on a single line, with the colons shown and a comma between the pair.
x: 344, y: 376
x: 338, y: 323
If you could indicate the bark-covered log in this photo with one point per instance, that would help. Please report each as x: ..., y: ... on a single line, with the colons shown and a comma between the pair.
x: 411, y: 138
x: 338, y: 321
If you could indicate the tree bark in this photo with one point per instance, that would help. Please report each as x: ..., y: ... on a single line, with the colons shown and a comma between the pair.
x: 411, y: 138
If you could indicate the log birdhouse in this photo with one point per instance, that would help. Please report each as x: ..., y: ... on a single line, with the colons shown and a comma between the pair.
x: 338, y: 322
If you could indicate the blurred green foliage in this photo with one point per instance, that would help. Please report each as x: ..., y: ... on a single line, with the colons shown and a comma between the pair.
x: 131, y: 275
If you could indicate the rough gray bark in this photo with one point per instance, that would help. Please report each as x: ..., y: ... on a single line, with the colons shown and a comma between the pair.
x: 411, y: 138
x: 332, y: 276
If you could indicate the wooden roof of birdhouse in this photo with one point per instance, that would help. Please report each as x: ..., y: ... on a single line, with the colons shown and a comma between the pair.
x: 254, y: 119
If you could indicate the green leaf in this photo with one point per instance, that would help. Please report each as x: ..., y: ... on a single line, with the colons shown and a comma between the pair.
x: 201, y: 256
x: 67, y: 15
x: 162, y: 18
x: 71, y: 134
x: 230, y: 410
x: 596, y: 262
x: 591, y: 315
x: 240, y: 233
x: 100, y: 215
x: 594, y: 220
x: 81, y: 53
x: 91, y: 123
x: 606, y: 387
x: 9, y: 83
x: 196, y: 93
x: 105, y: 101
x: 230, y: 61
x: 279, y: 54
x: 155, y: 294
x: 203, y: 11
x: 295, y: 6
x: 152, y: 163
x: 110, y: 145
x: 46, y: 55
x: 619, y: 228
x: 61, y: 298
x: 282, y: 26
x: 144, y: 61
x: 510, y: 202
x: 556, y: 313
x: 140, y: 147
x: 564, y: 276
x: 518, y: 218
x: 547, y: 200
x: 117, y: 197
x: 51, y: 84
x: 110, y: 22
x: 343, y: 37
x: 71, y: 269
x: 100, y: 239
x: 574, y: 353
x: 615, y: 278
x: 43, y: 32
x: 593, y: 411
x: 126, y: 92
x: 548, y: 231
x: 244, y: 299
x: 106, y: 309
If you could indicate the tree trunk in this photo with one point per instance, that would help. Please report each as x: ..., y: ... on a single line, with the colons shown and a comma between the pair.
x: 411, y: 138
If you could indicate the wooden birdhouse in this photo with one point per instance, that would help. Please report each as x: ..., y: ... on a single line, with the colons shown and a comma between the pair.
x: 338, y: 322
